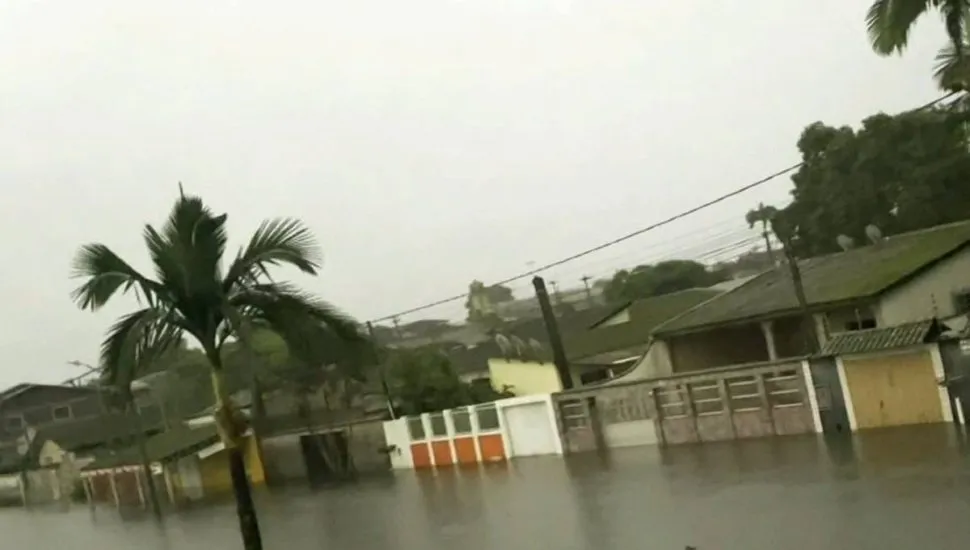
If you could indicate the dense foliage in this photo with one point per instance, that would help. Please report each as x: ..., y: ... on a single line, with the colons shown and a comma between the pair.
x: 900, y: 173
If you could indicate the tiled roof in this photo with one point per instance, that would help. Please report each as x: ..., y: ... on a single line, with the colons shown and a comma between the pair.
x: 645, y: 315
x: 181, y: 440
x: 878, y: 339
x: 843, y: 277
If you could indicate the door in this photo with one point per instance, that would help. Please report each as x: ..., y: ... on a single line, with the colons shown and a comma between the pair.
x: 893, y: 390
x: 530, y: 429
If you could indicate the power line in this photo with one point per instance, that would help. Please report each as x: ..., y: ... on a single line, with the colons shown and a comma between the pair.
x: 636, y: 233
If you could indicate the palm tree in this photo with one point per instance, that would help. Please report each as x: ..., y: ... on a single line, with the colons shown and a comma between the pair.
x: 890, y: 21
x: 193, y: 294
x: 763, y: 215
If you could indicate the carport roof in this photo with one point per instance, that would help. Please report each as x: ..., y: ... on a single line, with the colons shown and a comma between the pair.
x: 880, y: 339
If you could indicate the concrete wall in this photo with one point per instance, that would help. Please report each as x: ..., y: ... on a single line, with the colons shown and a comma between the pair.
x: 717, y: 348
x: 654, y: 363
x: 928, y: 295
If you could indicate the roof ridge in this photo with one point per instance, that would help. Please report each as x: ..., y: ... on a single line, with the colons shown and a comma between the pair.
x: 895, y: 237
x: 717, y: 296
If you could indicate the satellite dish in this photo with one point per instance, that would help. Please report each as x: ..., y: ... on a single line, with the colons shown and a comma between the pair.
x: 845, y: 242
x: 873, y: 233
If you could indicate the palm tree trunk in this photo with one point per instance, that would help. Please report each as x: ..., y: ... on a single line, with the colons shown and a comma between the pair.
x: 229, y: 433
x: 145, y: 463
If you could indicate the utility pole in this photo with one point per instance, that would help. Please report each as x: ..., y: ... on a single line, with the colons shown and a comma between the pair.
x: 784, y: 235
x: 589, y: 292
x: 552, y: 328
x: 555, y: 293
x: 379, y: 358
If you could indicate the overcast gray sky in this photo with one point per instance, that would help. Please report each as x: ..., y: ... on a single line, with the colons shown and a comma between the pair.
x: 427, y: 142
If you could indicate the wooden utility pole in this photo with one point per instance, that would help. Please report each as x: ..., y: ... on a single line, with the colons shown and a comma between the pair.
x: 552, y: 328
x: 811, y: 336
x: 589, y: 292
x: 379, y: 358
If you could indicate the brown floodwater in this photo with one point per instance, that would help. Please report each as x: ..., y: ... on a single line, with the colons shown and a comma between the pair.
x: 889, y: 490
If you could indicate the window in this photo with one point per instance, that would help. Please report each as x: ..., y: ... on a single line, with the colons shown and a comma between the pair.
x: 438, y: 426
x: 416, y: 428
x: 462, y: 421
x: 961, y: 301
x: 14, y: 423
x: 61, y: 413
x: 487, y: 417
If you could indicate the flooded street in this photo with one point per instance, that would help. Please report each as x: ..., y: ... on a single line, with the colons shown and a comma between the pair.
x: 897, y: 489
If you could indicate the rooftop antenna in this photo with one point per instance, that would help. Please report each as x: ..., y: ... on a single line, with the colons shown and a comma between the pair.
x: 181, y: 191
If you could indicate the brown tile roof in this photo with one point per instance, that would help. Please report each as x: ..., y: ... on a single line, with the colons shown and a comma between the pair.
x: 879, y: 339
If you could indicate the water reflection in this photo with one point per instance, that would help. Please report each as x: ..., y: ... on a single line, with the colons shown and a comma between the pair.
x: 890, y: 489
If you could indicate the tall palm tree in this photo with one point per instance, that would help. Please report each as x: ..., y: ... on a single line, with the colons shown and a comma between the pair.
x: 763, y: 215
x: 194, y: 294
x: 890, y: 21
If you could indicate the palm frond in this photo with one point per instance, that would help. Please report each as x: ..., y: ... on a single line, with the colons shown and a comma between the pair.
x: 889, y: 23
x: 955, y: 17
x: 313, y: 329
x: 952, y: 69
x: 106, y: 273
x: 134, y: 342
x: 187, y: 251
x: 276, y: 242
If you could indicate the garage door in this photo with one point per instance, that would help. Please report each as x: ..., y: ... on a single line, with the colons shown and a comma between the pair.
x: 893, y: 390
x: 530, y: 429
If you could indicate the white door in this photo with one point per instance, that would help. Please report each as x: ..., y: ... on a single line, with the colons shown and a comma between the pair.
x: 190, y: 477
x: 530, y: 429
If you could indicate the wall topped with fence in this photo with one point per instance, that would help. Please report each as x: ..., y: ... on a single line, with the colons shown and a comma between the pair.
x: 739, y: 402
x: 489, y: 432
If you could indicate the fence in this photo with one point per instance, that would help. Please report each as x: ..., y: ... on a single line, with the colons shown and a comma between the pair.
x: 489, y: 432
x: 738, y: 402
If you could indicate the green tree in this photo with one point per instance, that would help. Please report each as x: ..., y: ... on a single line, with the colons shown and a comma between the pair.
x: 325, y: 377
x: 645, y: 281
x: 424, y: 380
x: 194, y: 294
x: 900, y: 173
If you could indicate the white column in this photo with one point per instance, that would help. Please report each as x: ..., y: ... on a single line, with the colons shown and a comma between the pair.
x: 768, y: 332
x: 86, y: 483
x: 141, y: 488
x: 169, y: 485
x: 114, y: 488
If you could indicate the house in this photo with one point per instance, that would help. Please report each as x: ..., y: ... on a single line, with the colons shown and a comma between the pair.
x: 51, y: 457
x: 602, y: 349
x: 904, y: 278
x: 40, y: 405
x: 188, y: 461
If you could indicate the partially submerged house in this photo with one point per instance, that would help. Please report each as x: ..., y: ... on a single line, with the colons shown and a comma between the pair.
x: 187, y: 461
x: 597, y: 349
x: 904, y: 278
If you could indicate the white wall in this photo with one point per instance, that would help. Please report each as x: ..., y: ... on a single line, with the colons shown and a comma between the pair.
x: 654, y: 363
x: 928, y: 295
x: 396, y: 436
x: 528, y: 419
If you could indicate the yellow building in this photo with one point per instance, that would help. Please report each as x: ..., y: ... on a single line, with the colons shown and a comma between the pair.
x: 191, y: 463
